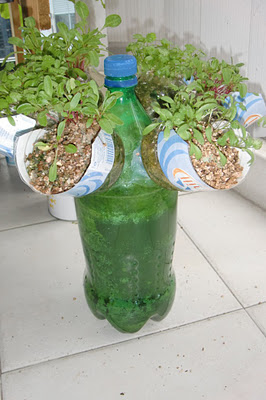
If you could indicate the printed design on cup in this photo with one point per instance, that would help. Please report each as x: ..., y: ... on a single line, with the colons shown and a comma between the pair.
x: 252, y: 118
x: 175, y: 162
x: 254, y: 104
x: 52, y: 201
x: 184, y: 179
x: 102, y: 161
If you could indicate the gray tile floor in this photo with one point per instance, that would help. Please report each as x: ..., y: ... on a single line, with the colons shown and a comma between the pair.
x: 212, y: 345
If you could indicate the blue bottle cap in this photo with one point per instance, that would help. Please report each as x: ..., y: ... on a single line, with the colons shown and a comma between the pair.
x: 120, y: 65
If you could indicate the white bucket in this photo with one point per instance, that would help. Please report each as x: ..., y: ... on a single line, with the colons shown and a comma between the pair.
x: 62, y: 207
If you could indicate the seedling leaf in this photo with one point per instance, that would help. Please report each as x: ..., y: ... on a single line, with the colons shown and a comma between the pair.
x: 150, y: 128
x: 223, y: 159
x: 11, y: 120
x: 60, y: 129
x: 70, y: 148
x: 208, y: 133
x: 82, y: 9
x: 48, y: 85
x: 53, y: 171
x: 106, y: 125
x: 75, y: 101
x: 198, y: 136
x: 194, y: 149
x: 112, y: 21
x: 43, y: 146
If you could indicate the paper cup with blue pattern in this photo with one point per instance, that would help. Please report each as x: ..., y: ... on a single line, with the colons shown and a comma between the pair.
x: 254, y: 108
x: 168, y: 163
x: 102, y: 161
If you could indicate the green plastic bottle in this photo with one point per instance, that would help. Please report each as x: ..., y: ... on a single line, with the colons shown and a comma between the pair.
x: 128, y: 231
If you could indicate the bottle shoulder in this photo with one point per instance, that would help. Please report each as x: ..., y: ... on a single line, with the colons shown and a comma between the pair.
x: 133, y: 177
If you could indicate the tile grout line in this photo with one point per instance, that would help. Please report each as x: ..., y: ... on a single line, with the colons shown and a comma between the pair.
x: 255, y: 322
x: 121, y: 342
x: 230, y: 290
x: 1, y: 389
x: 255, y: 305
x: 1, y: 386
x: 148, y: 334
x: 33, y: 224
x: 210, y: 263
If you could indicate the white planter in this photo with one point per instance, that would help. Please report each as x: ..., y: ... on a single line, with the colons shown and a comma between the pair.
x: 102, y: 160
x: 62, y: 207
x: 175, y: 162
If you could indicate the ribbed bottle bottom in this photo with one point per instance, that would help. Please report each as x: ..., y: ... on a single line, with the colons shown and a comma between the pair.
x: 130, y: 315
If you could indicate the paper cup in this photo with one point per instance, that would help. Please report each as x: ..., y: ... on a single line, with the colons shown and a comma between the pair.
x: 172, y: 166
x: 254, y: 107
x: 102, y: 160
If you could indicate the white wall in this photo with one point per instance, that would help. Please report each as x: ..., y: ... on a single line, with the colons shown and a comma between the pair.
x: 222, y: 28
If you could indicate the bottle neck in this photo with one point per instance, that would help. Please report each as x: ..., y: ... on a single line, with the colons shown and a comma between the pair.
x: 120, y: 82
x: 127, y: 91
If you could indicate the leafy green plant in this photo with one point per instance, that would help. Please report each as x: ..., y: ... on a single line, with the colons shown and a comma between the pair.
x: 217, y: 76
x: 162, y: 58
x: 197, y: 116
x: 209, y: 78
x: 160, y: 64
x: 54, y: 78
x: 152, y: 57
x: 71, y: 110
x: 196, y: 96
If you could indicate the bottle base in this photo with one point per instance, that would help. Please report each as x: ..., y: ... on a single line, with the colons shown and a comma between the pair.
x: 129, y: 316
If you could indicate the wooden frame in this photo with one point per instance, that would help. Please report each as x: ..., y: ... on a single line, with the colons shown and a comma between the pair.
x: 15, y: 24
x: 39, y: 9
